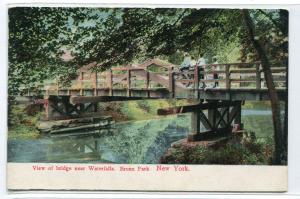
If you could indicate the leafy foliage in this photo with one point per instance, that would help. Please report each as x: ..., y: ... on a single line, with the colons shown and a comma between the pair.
x: 248, y: 151
x: 39, y: 38
x: 23, y: 120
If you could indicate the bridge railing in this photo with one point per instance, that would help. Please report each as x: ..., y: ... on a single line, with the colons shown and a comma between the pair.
x: 227, y: 76
x: 231, y: 76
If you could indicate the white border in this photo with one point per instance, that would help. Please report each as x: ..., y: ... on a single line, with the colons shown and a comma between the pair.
x: 294, y: 94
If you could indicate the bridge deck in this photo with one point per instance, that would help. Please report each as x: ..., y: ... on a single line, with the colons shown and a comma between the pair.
x: 208, y: 94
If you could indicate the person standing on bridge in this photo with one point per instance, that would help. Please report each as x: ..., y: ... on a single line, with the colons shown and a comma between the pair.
x: 193, y: 63
x: 215, y: 68
x: 201, y: 64
x: 185, y: 65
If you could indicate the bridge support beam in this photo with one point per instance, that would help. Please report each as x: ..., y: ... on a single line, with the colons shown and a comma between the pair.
x: 216, y: 122
x: 60, y: 107
x: 210, y: 119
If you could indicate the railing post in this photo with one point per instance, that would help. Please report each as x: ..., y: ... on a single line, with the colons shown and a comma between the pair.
x: 171, y: 83
x: 95, y: 84
x: 147, y: 82
x: 109, y: 81
x: 227, y: 76
x: 196, y: 77
x: 81, y: 83
x: 57, y: 87
x: 258, y: 77
x: 128, y: 82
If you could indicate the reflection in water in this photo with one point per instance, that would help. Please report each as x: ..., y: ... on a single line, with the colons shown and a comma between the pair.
x: 130, y: 142
x: 74, y: 149
x: 139, y: 142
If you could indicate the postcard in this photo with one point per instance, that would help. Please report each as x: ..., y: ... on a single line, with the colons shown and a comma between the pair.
x: 147, y: 99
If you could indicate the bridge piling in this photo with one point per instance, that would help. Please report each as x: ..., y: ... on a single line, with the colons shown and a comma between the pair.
x: 217, y: 122
x: 195, y: 121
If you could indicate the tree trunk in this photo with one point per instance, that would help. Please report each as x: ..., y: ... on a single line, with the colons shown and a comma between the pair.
x: 284, y: 21
x: 278, y: 131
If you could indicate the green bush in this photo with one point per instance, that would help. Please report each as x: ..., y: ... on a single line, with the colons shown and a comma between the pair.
x: 23, y: 121
x: 247, y: 152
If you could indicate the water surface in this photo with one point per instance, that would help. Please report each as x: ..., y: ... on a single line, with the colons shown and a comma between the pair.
x: 136, y: 142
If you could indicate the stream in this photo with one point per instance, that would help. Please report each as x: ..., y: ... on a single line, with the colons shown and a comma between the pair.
x: 133, y: 142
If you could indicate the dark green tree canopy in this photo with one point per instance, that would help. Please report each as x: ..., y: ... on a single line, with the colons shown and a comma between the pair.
x: 38, y: 38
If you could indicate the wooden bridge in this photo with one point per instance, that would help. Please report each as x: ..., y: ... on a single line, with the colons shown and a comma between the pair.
x: 156, y: 79
x: 237, y: 81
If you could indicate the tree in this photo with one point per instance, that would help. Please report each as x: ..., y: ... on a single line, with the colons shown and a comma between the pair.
x: 278, y: 131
